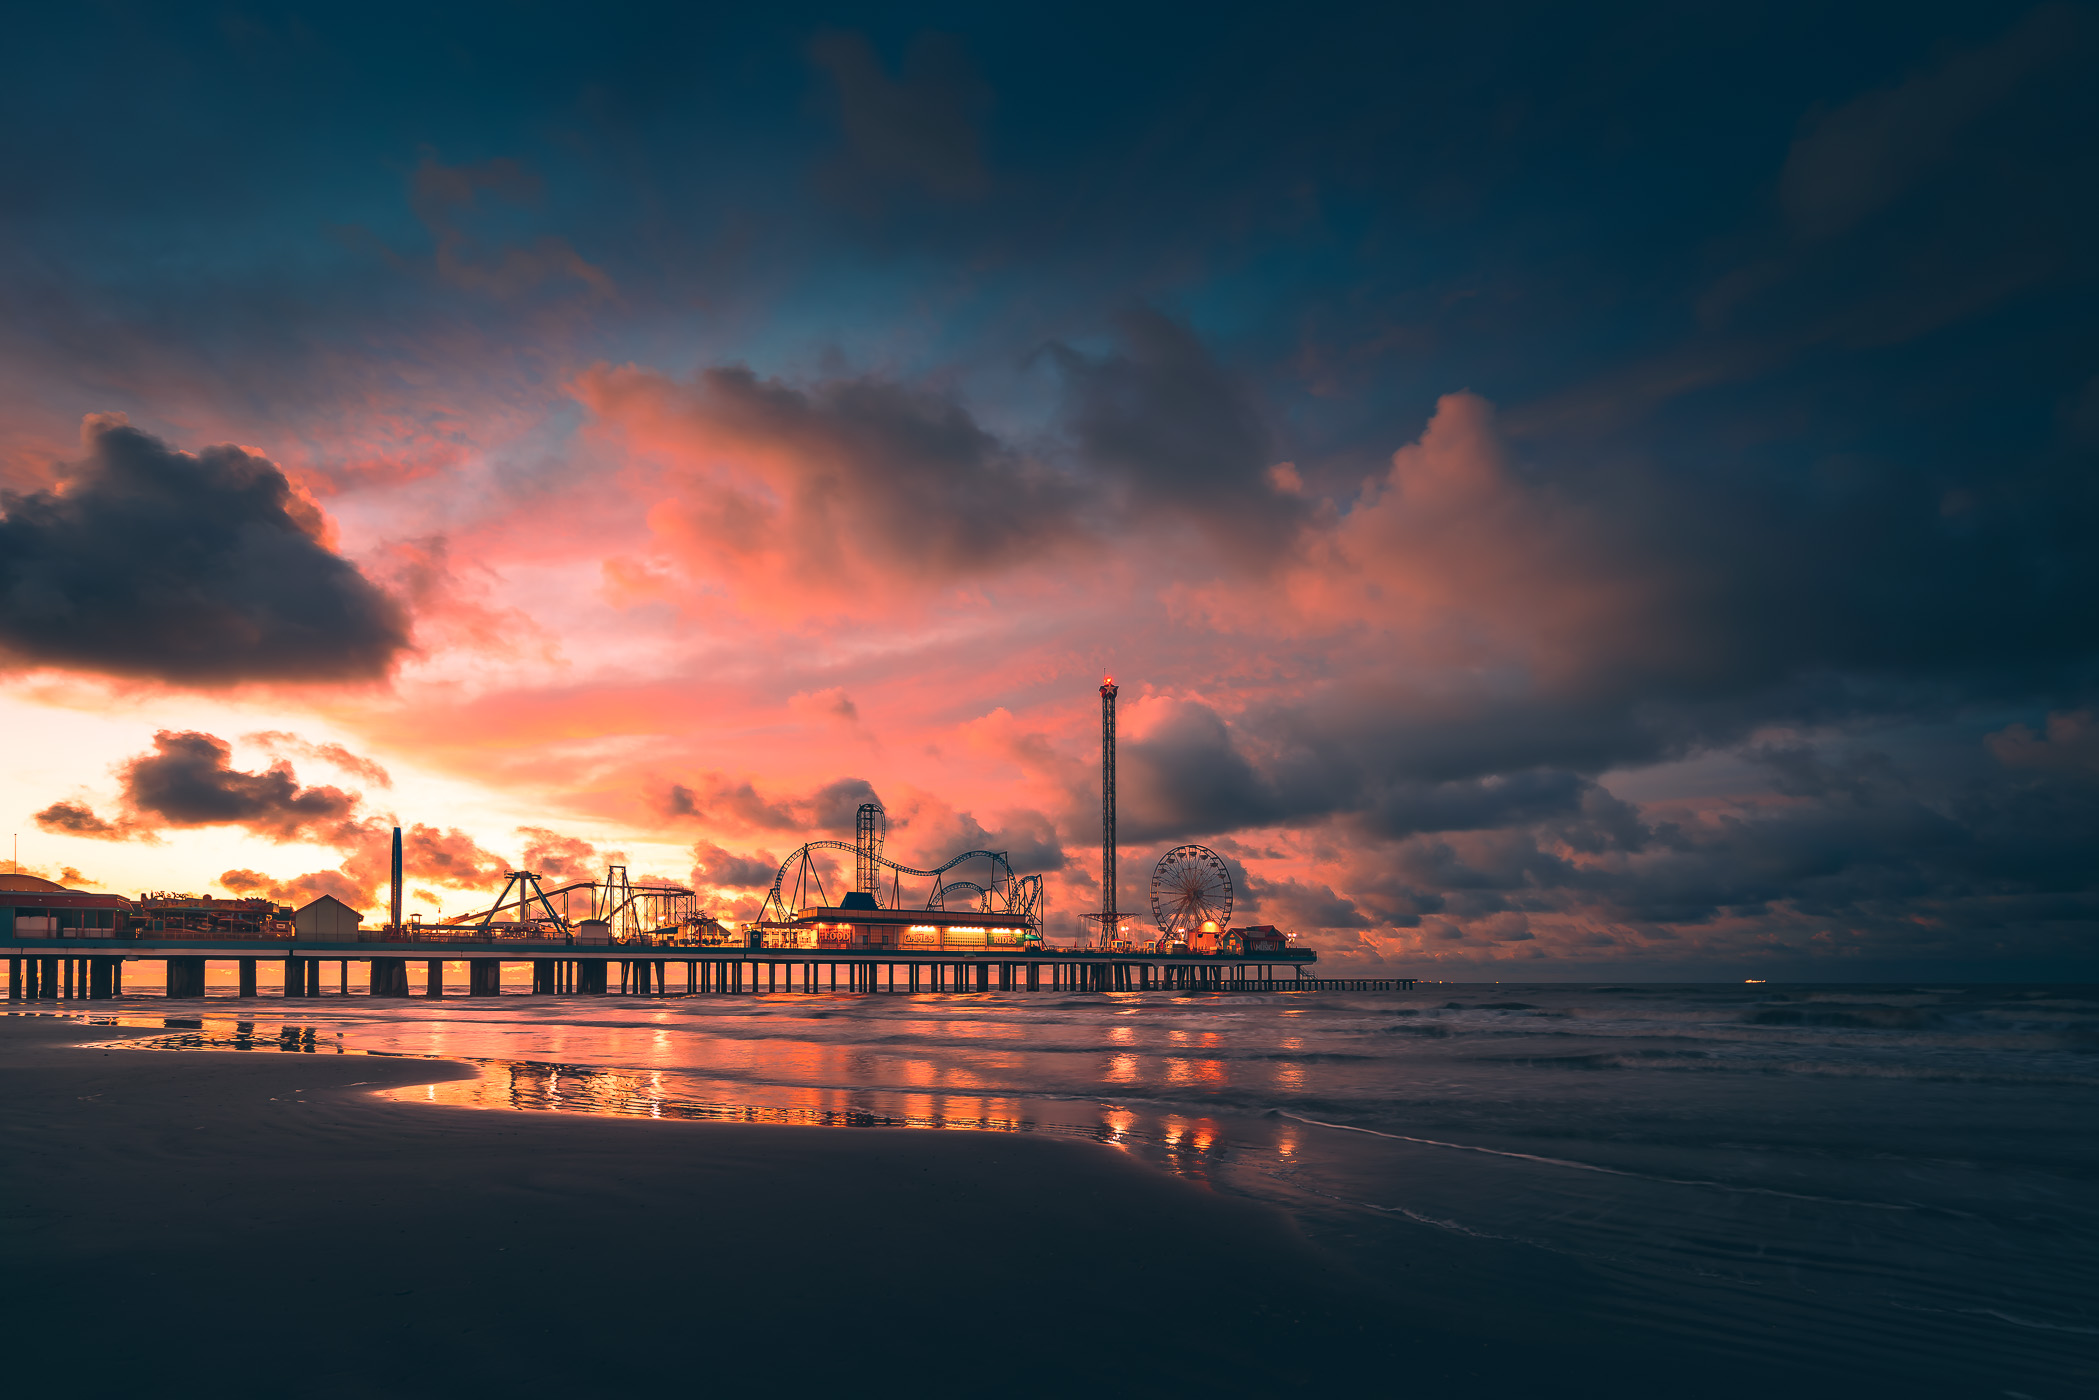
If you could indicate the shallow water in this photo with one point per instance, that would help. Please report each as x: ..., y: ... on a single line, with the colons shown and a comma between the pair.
x: 1896, y: 1181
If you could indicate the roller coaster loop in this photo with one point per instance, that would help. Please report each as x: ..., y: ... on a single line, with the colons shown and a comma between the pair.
x: 1006, y: 893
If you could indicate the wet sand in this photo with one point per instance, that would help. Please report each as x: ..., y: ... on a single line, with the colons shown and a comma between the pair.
x: 189, y: 1222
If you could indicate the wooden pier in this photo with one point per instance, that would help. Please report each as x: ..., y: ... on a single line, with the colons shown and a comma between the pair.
x: 65, y: 970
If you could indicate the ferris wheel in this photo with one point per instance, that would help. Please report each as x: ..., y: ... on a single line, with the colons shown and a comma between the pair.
x: 1191, y: 887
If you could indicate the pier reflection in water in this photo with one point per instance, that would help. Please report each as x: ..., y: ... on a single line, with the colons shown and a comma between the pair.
x: 1175, y: 1141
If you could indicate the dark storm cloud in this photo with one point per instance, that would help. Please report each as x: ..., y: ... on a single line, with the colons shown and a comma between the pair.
x: 1030, y: 841
x: 201, y: 569
x: 1187, y: 775
x: 189, y: 780
x: 922, y: 127
x: 79, y: 819
x: 1181, y: 437
x: 1880, y: 852
x: 1192, y: 774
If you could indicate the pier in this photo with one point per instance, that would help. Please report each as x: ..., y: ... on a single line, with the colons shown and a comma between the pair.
x: 64, y: 970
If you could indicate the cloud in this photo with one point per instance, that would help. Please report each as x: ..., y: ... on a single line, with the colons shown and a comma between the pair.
x: 303, y: 889
x: 921, y: 128
x: 443, y: 856
x: 334, y: 755
x: 1182, y: 773
x: 2070, y: 744
x: 197, y: 569
x: 848, y: 492
x: 1854, y: 160
x: 1475, y: 567
x: 832, y: 704
x: 831, y: 808
x: 722, y: 869
x: 451, y: 604
x: 64, y: 875
x: 558, y: 859
x: 1182, y: 440
x: 189, y: 780
x: 79, y: 819
x: 443, y: 196
x: 1297, y: 906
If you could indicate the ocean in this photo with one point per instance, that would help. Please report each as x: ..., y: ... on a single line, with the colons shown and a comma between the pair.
x: 1892, y: 1184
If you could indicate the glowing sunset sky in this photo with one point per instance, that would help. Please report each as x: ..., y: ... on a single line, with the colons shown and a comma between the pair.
x: 1563, y: 493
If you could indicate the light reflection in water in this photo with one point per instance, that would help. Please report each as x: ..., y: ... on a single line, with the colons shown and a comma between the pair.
x: 547, y: 1087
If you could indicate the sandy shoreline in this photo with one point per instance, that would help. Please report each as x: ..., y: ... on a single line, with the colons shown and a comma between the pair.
x: 177, y: 1219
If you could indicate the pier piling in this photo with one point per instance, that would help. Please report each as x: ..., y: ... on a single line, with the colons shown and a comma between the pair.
x: 185, y: 977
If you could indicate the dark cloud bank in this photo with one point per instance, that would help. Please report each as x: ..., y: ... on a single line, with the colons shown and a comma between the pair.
x: 193, y: 568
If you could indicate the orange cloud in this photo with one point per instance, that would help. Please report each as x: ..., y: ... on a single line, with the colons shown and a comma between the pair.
x: 844, y: 498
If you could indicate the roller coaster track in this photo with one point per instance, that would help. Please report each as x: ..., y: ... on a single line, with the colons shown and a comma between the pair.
x: 1019, y: 895
x: 529, y: 894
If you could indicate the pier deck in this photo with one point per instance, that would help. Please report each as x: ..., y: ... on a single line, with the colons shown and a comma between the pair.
x: 93, y: 968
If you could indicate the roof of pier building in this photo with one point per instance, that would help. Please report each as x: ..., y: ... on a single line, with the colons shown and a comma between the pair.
x: 327, y: 915
x: 16, y: 881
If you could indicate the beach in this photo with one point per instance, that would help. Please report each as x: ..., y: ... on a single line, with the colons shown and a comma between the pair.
x: 371, y: 1217
x: 184, y: 1223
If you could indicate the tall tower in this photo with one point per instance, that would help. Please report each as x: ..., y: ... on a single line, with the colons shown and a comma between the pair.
x: 869, y: 826
x: 396, y: 923
x: 1108, y: 918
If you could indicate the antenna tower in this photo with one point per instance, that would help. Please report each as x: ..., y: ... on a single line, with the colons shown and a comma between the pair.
x: 1108, y: 919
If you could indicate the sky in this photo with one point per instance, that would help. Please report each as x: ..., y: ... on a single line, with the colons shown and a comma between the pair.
x: 1596, y: 492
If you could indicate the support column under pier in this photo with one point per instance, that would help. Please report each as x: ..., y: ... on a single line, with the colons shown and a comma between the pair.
x: 590, y: 976
x: 484, y: 977
x: 247, y: 966
x: 389, y: 977
x: 185, y: 977
x: 295, y: 977
x: 433, y: 979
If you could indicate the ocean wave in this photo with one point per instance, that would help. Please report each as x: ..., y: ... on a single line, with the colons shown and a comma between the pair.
x: 1570, y: 1165
x: 1855, y: 1017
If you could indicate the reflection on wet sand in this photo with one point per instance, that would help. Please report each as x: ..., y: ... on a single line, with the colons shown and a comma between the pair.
x: 541, y: 1087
